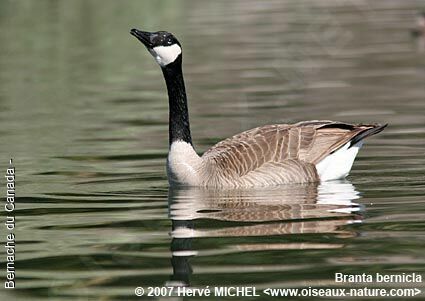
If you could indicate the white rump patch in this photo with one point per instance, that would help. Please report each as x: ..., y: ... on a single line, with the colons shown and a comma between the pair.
x: 165, y: 55
x: 338, y: 165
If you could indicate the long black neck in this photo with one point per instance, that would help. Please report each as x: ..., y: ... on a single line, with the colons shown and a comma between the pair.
x: 179, y: 128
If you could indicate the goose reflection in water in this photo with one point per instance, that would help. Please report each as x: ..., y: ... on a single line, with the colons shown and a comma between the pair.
x: 293, y: 209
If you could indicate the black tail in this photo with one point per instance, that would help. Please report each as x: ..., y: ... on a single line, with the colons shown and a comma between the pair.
x: 366, y: 133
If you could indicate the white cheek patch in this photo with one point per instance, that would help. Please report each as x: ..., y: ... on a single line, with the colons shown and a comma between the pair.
x: 165, y: 55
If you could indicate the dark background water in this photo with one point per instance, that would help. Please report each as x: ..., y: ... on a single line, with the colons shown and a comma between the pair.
x: 83, y: 113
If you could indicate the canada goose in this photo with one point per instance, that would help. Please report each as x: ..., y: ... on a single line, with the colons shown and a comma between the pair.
x: 308, y: 151
x: 420, y: 26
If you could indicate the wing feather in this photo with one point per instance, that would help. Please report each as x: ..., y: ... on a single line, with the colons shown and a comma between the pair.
x: 280, y: 153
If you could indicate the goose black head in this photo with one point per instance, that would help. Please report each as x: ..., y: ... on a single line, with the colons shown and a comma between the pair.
x: 163, y: 46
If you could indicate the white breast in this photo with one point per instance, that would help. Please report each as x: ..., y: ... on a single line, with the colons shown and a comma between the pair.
x: 183, y: 164
x: 338, y: 165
